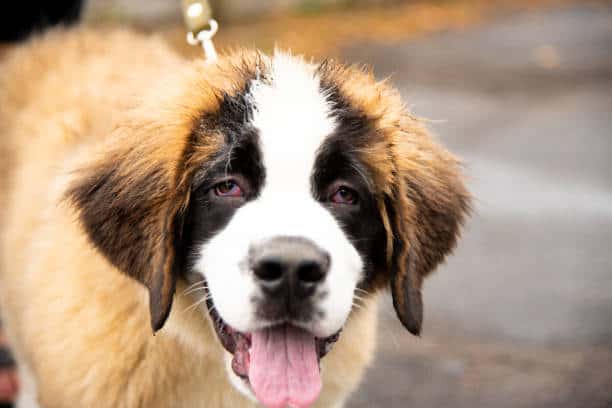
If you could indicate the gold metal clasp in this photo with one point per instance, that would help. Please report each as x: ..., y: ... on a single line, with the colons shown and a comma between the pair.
x: 201, y: 27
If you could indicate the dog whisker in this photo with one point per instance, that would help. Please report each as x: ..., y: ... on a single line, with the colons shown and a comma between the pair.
x: 192, y: 285
x: 192, y: 290
x: 195, y: 284
x: 196, y: 304
x: 189, y: 289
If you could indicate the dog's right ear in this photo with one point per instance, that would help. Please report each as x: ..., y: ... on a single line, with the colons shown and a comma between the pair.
x: 132, y: 198
x: 130, y: 204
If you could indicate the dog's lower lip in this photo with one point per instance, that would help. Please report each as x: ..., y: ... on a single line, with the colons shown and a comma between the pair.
x: 238, y: 343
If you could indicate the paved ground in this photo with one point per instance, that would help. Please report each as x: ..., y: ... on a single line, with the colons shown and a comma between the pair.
x: 522, y: 314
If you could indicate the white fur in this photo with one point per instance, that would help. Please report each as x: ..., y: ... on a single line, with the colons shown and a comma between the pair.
x: 293, y: 119
x: 27, y: 397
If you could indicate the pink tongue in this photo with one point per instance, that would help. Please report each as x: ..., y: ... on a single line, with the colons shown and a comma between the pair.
x: 284, y: 367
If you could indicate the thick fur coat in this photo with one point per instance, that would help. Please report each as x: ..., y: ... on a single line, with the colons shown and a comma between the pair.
x: 97, y: 153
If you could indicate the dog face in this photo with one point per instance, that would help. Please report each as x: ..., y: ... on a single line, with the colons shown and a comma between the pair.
x: 282, y: 188
x: 291, y: 199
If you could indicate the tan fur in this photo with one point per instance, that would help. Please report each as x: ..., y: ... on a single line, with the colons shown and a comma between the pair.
x: 80, y: 108
x: 421, y: 196
x: 79, y: 325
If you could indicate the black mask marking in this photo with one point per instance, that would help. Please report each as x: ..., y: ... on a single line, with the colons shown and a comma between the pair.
x: 239, y: 156
x: 338, y: 160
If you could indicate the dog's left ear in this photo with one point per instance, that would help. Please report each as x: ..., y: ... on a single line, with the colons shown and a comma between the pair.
x: 425, y: 208
x: 131, y: 202
x: 418, y: 184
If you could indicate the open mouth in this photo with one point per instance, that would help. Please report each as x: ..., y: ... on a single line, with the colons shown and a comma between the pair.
x: 280, y: 363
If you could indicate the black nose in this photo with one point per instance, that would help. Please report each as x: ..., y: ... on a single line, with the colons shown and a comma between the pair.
x: 289, y: 266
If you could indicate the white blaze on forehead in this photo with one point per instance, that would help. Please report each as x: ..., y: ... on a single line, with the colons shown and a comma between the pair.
x: 293, y: 118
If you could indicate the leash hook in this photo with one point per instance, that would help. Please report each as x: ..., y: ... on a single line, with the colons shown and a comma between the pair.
x: 201, y: 26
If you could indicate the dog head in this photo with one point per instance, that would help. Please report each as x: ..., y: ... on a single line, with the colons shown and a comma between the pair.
x: 283, y: 188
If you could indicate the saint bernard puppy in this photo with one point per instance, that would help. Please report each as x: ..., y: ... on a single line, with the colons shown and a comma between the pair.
x: 183, y: 234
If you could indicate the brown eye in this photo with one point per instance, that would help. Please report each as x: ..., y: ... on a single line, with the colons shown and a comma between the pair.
x: 344, y: 195
x: 228, y: 188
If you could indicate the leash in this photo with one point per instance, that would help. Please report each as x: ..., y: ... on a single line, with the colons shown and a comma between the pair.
x: 201, y: 27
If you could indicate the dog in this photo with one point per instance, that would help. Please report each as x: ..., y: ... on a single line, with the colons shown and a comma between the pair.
x: 181, y: 234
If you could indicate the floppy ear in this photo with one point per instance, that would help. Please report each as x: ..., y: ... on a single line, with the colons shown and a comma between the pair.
x: 131, y: 200
x: 132, y: 214
x: 419, y: 188
x: 426, y: 207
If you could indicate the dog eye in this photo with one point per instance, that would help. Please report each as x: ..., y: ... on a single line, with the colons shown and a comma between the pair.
x: 344, y: 195
x: 228, y: 188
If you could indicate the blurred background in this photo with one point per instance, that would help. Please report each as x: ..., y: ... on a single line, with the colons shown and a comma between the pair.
x: 521, y: 315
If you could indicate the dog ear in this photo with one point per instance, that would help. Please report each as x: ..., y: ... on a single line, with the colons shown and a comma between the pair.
x: 130, y: 200
x: 425, y: 208
x: 133, y: 215
x: 418, y: 184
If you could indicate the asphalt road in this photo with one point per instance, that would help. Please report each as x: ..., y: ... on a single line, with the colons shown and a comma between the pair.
x: 521, y: 315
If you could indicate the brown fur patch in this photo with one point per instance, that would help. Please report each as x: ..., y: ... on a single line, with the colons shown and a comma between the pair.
x: 131, y: 200
x: 421, y: 195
